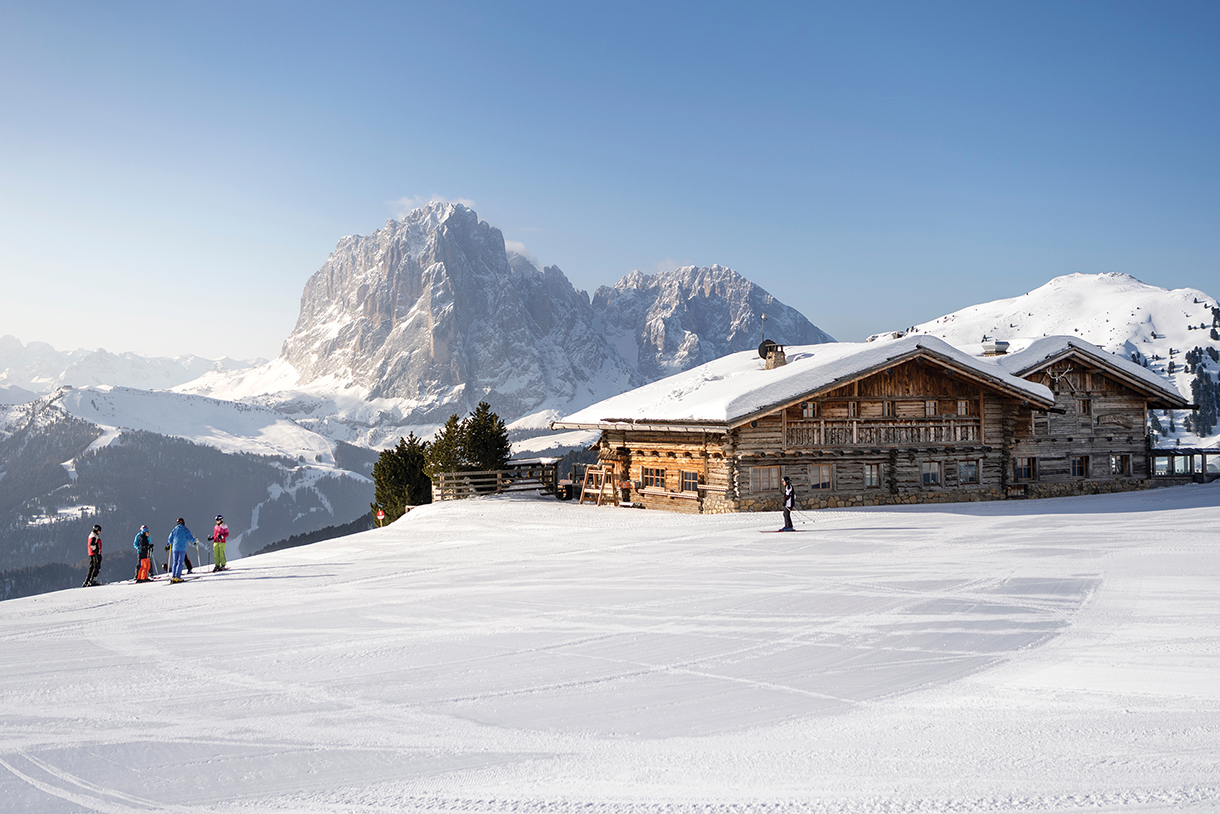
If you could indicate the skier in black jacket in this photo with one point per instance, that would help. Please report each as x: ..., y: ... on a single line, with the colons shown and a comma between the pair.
x: 789, y: 504
x: 94, y: 547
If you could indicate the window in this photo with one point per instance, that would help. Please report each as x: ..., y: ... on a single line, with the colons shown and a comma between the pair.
x: 764, y: 479
x: 1084, y: 406
x: 809, y: 409
x: 872, y: 475
x: 1080, y: 466
x: 652, y: 478
x: 690, y: 481
x: 887, y: 409
x: 1024, y: 468
x: 853, y: 409
x: 819, y: 476
x: 1160, y: 464
x: 930, y: 473
x: 1120, y: 465
x: 929, y: 408
x: 963, y: 407
x: 968, y: 472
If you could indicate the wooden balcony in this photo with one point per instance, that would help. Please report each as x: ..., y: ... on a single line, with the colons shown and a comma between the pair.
x: 882, y: 432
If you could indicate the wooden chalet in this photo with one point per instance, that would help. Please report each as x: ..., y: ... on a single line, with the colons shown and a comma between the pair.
x: 910, y: 420
x: 1097, y: 438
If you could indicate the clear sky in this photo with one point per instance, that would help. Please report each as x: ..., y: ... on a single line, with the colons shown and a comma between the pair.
x: 172, y: 173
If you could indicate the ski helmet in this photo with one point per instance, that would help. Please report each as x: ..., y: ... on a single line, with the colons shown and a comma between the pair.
x: 143, y: 528
x: 219, y: 519
x: 96, y: 527
x: 181, y: 522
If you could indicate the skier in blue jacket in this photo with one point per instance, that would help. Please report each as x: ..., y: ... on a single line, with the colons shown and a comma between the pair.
x: 178, y: 540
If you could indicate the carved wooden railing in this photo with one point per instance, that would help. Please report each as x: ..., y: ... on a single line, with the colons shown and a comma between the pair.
x: 882, y: 432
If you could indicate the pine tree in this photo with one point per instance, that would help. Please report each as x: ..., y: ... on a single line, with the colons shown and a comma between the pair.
x: 446, y: 453
x: 485, y: 441
x: 399, y: 479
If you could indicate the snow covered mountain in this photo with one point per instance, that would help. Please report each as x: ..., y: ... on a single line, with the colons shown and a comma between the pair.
x: 36, y: 369
x: 430, y: 315
x: 1175, y: 333
x: 669, y: 322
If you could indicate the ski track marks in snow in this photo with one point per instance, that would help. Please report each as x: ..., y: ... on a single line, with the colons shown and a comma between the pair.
x: 522, y: 655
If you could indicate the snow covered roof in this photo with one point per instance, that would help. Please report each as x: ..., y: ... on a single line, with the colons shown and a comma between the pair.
x: 1045, y: 351
x: 734, y: 389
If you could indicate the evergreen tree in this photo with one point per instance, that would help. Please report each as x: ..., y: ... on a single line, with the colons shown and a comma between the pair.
x: 399, y: 479
x: 446, y: 453
x: 485, y: 440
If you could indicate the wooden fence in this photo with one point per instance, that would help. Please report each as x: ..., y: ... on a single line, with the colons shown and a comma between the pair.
x: 461, y: 485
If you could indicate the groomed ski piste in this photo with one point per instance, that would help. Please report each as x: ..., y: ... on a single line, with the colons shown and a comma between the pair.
x: 526, y: 655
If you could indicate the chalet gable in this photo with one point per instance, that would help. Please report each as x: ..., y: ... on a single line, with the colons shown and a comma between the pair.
x: 1067, y: 364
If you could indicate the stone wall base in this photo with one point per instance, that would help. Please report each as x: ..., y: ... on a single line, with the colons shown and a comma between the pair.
x: 808, y: 502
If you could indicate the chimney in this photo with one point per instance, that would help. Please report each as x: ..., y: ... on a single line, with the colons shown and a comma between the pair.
x: 776, y: 357
x: 995, y: 347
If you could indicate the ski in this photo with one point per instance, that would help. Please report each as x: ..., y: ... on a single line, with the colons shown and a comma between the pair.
x: 779, y: 531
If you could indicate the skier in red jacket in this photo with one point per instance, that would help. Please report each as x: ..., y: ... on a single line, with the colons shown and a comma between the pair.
x: 94, y: 547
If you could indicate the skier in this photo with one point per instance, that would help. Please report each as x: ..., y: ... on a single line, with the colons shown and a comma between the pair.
x: 190, y: 569
x: 219, y: 535
x: 143, y: 547
x: 178, y: 540
x: 789, y: 504
x: 94, y: 547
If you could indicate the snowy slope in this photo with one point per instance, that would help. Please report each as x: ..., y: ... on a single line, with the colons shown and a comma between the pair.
x: 224, y: 425
x: 530, y: 656
x: 1154, y: 326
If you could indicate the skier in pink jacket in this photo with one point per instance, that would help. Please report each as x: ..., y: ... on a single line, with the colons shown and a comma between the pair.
x: 219, y: 535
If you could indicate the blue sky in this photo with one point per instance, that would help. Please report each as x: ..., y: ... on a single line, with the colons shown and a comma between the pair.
x: 173, y: 173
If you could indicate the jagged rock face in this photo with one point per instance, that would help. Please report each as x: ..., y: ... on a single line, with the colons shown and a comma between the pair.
x: 669, y: 322
x: 431, y: 310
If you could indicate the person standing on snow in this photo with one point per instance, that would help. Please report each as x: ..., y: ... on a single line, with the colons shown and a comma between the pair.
x: 219, y: 535
x: 94, y: 547
x: 143, y: 547
x: 789, y: 504
x: 178, y: 540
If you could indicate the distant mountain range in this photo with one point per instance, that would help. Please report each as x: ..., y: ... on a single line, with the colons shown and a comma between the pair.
x: 27, y: 371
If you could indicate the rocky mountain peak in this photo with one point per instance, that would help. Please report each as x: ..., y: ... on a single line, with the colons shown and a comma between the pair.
x: 674, y: 320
